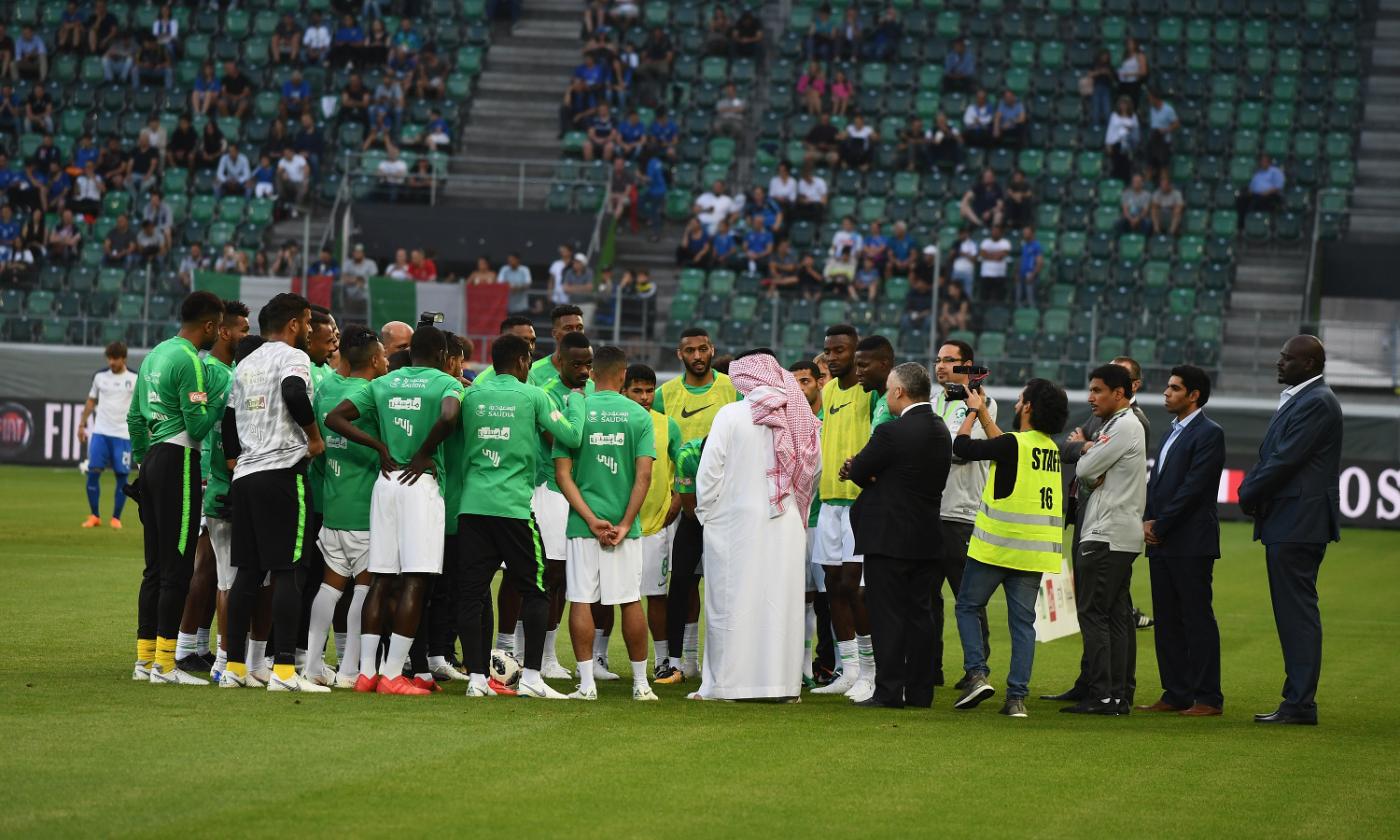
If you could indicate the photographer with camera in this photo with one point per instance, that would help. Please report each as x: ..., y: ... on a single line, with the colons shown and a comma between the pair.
x: 956, y: 374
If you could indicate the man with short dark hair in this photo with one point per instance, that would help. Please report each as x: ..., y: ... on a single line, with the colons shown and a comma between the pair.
x: 817, y: 638
x: 1182, y: 530
x: 110, y: 443
x: 170, y: 415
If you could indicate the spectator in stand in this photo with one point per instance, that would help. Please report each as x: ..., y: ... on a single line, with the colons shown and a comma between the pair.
x: 1019, y: 202
x: 158, y: 213
x: 1102, y: 79
x: 180, y: 149
x: 1132, y: 71
x: 954, y: 310
x: 31, y: 55
x: 903, y: 252
x: 758, y: 246
x: 46, y: 154
x: 918, y: 303
x: 761, y: 205
x: 11, y: 109
x: 355, y: 100
x: 842, y: 91
x: 876, y: 247
x: 866, y: 283
x: 7, y: 55
x: 1163, y: 124
x: 145, y: 166
x: 346, y: 41
x: 622, y: 190
x: 979, y: 120
x: 285, y: 46
x: 653, y: 196
x: 265, y: 176
x: 233, y: 176
x: 984, y: 203
x: 821, y: 35
x: 576, y: 281
x: 421, y: 268
x: 913, y: 146
x: 325, y: 266
x: 960, y: 68
x: 392, y: 172
x: 945, y: 143
x: 376, y: 47
x: 88, y: 192
x: 483, y: 274
x: 114, y: 164
x: 822, y: 144
x: 811, y: 87
x: 119, y: 248
x: 1137, y: 208
x: 846, y: 245
x: 70, y: 32
x: 9, y: 224
x: 1009, y: 125
x: 694, y: 250
x: 993, y: 252
x: 717, y: 33
x: 1122, y: 139
x: 663, y: 136
x: 38, y: 111
x: 716, y: 206
x: 57, y: 183
x: 400, y: 269
x: 730, y: 111
x: 517, y: 277
x: 594, y: 77
x: 782, y: 269
x: 1167, y: 206
x: 746, y: 36
x: 657, y: 56
x: 16, y: 264
x: 316, y: 40
x: 308, y: 142
x: 207, y: 89
x: 86, y: 151
x: 293, y: 180
x: 153, y: 65
x: 296, y: 96
x: 66, y: 239
x: 150, y: 243
x: 193, y: 261
x: 420, y: 185
x: 237, y: 92
x: 631, y: 137
x: 387, y: 110
x: 355, y: 276
x: 403, y: 65
x: 624, y: 69
x: 1028, y: 270
x: 439, y: 131
x: 211, y: 146
x: 576, y: 109
x: 858, y: 143
x: 288, y: 262
x: 102, y: 28
x: 602, y: 135
x: 782, y: 187
x: 812, y: 196
x: 155, y: 134
x: 1265, y: 191
x: 724, y: 247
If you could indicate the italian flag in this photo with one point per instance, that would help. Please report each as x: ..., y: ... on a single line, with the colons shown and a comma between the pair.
x: 255, y: 292
x: 474, y: 311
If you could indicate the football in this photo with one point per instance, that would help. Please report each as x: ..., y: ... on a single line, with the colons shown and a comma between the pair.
x: 505, y: 668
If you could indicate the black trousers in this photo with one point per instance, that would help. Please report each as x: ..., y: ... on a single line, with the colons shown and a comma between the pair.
x: 687, y: 547
x: 484, y: 543
x: 899, y: 599
x: 1186, y: 635
x: 1293, y: 569
x: 949, y: 567
x: 1105, y: 619
x: 171, y: 499
x: 825, y: 655
x: 1081, y: 682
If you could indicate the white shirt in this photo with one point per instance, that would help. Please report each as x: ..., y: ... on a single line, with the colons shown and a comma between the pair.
x: 1178, y: 426
x: 317, y: 37
x: 915, y: 405
x: 393, y: 171
x: 171, y: 26
x: 267, y: 435
x: 295, y: 169
x: 360, y: 268
x: 847, y: 241
x: 966, y: 259
x: 861, y: 134
x: 962, y: 493
x: 556, y: 286
x: 978, y: 117
x: 398, y: 272
x: 1120, y: 127
x: 714, y: 209
x: 1290, y: 393
x: 113, y: 394
x: 994, y: 268
x: 89, y: 188
x: 813, y: 190
x: 781, y: 190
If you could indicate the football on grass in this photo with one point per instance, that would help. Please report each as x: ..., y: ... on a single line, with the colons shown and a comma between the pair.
x: 505, y: 668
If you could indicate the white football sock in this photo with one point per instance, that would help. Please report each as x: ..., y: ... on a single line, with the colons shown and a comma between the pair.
x: 350, y: 662
x: 477, y: 681
x: 676, y: 662
x: 257, y: 655
x: 519, y: 638
x: 585, y: 676
x: 600, y: 645
x: 550, y: 656
x: 866, y: 656
x: 339, y: 646
x: 220, y: 644
x: 531, y: 677
x: 392, y: 666
x: 663, y: 652
x: 299, y: 657
x: 505, y: 642
x: 369, y: 649
x: 811, y: 639
x: 322, y: 612
x: 201, y: 641
x: 690, y: 643
x: 639, y: 674
x: 184, y: 645
x: 221, y: 660
x: 437, y: 662
x: 850, y: 664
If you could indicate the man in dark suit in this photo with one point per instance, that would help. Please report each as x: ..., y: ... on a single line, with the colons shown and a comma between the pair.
x: 1293, y: 496
x: 901, y: 472
x: 1182, y: 529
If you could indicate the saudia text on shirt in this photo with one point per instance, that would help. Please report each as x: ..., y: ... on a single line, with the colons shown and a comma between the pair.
x: 484, y: 410
x: 408, y: 382
x: 608, y: 417
x: 405, y: 403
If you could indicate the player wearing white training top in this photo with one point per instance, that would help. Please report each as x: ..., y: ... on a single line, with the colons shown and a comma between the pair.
x: 110, y: 442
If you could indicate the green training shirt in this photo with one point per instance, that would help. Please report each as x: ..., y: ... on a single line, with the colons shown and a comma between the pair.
x: 218, y: 379
x: 688, y: 464
x: 351, y: 469
x: 543, y: 370
x: 616, y: 432
x: 171, y: 402
x: 556, y: 392
x: 880, y: 412
x: 502, y: 421
x: 404, y: 404
x: 316, y: 473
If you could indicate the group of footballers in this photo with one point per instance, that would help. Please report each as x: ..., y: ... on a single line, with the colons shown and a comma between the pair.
x: 305, y: 484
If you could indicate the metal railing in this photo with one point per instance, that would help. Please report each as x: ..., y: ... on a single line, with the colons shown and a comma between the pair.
x: 526, y: 180
x: 1307, y: 319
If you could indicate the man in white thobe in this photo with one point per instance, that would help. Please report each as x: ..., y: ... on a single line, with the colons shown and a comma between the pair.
x: 753, y: 490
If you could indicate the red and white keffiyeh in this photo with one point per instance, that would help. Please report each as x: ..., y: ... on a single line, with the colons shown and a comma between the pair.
x: 775, y: 401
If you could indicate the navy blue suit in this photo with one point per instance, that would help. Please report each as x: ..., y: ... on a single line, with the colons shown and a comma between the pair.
x: 1292, y: 495
x: 1181, y: 504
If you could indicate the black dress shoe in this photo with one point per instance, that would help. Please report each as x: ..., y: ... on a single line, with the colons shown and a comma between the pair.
x: 872, y: 703
x: 1071, y: 696
x: 1092, y: 707
x: 194, y: 663
x: 1285, y: 718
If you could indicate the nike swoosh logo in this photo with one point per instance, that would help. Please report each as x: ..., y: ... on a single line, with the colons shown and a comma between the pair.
x: 685, y: 415
x: 837, y: 408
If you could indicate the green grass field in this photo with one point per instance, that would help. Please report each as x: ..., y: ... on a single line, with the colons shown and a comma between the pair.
x: 85, y: 751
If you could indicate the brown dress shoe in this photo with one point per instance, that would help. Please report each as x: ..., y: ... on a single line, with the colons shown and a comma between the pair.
x: 1202, y: 710
x: 1161, y: 706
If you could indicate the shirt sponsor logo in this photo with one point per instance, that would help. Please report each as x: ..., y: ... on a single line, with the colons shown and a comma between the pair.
x: 258, y: 403
x: 336, y: 442
x: 500, y: 411
x: 405, y: 424
x: 198, y: 397
x: 607, y: 439
x: 608, y: 461
x: 493, y: 433
x: 333, y: 467
x: 405, y: 403
x: 410, y: 383
x: 686, y: 415
x: 836, y: 408
x: 493, y: 456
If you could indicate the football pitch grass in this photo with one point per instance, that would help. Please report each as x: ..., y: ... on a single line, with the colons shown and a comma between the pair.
x: 85, y: 751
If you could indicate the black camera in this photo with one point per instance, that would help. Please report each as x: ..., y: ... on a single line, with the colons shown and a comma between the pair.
x: 429, y: 319
x: 975, y: 373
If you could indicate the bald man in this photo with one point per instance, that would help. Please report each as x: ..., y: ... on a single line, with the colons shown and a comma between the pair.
x: 395, y: 336
x: 1292, y: 494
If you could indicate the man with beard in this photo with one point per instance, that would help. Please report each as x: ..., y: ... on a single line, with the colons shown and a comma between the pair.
x: 808, y: 377
x: 321, y: 345
x: 169, y: 417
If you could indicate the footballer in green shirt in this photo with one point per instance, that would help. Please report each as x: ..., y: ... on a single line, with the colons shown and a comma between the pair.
x: 606, y: 478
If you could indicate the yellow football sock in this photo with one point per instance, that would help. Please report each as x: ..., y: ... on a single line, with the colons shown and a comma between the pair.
x: 238, y: 669
x: 284, y: 672
x: 145, y: 650
x: 165, y: 654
